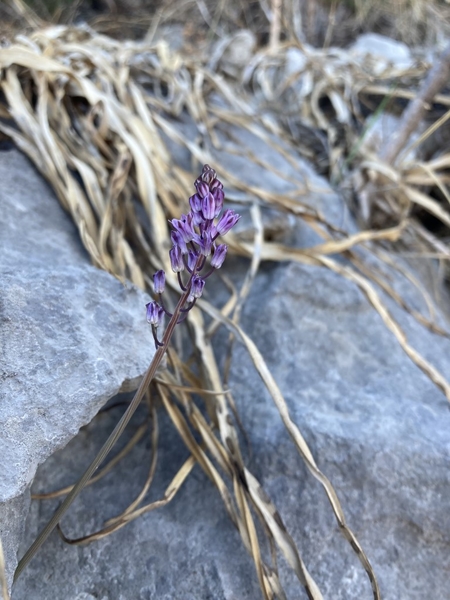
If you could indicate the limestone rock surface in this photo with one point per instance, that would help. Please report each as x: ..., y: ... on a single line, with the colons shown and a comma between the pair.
x: 377, y: 427
x: 71, y: 335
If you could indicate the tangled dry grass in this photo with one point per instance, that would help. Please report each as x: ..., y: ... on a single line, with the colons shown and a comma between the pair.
x: 97, y: 117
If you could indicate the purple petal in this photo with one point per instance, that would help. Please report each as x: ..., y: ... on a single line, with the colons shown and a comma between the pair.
x: 208, y: 206
x: 176, y: 259
x: 159, y: 282
x: 219, y: 256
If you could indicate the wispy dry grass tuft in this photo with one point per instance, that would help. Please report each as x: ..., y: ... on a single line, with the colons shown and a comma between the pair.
x: 96, y: 117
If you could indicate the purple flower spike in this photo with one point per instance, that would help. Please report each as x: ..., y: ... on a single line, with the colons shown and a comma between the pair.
x: 159, y: 282
x: 197, y: 286
x: 194, y: 249
x: 154, y: 313
x: 176, y: 259
x: 227, y: 221
x: 219, y: 256
x: 208, y: 207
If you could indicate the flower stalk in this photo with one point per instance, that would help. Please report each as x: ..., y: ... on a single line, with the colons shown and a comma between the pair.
x: 198, y: 231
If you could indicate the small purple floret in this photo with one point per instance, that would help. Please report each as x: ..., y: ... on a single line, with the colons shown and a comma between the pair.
x: 184, y: 227
x: 159, y: 281
x: 202, y: 188
x: 219, y: 256
x: 154, y: 313
x: 204, y: 243
x: 197, y: 286
x: 191, y: 260
x: 208, y: 175
x: 218, y: 199
x: 196, y: 203
x: 208, y: 207
x: 227, y: 221
x: 176, y: 259
x: 178, y: 240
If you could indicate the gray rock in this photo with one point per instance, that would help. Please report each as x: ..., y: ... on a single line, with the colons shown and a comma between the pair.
x: 376, y: 425
x: 385, y: 51
x: 71, y: 335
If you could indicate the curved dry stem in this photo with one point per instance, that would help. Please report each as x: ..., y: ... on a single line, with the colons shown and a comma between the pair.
x: 104, y: 471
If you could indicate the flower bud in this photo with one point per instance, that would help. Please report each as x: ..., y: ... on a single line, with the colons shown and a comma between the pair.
x: 197, y: 286
x: 184, y: 227
x: 154, y: 313
x: 177, y: 240
x: 197, y: 219
x: 219, y: 256
x: 204, y: 242
x: 218, y: 199
x: 202, y: 188
x: 215, y: 184
x: 227, y: 221
x: 159, y: 281
x: 192, y: 260
x: 196, y: 203
x: 208, y: 207
x: 208, y: 174
x: 176, y: 259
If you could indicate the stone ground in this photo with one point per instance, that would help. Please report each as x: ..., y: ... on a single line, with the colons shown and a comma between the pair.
x: 61, y: 321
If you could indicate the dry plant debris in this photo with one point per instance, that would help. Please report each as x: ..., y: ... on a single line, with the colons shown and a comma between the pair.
x: 93, y: 114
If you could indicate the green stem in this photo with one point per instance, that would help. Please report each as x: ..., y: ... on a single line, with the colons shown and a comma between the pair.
x: 108, y: 445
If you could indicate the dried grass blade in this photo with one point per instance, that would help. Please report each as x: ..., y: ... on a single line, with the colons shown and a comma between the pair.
x: 299, y: 441
x: 365, y: 286
x: 281, y: 536
x: 428, y: 203
x: 138, y: 435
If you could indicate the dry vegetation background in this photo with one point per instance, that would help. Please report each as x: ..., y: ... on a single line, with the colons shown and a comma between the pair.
x: 92, y: 107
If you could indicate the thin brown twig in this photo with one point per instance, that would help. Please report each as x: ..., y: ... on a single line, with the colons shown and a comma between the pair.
x: 434, y: 82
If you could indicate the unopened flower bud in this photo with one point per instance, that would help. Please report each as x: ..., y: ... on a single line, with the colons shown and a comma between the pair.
x: 218, y: 199
x: 197, y: 286
x: 208, y: 207
x: 227, y: 221
x: 204, y: 242
x: 197, y: 219
x: 208, y: 174
x: 202, y: 188
x: 192, y: 259
x: 154, y: 313
x: 219, y: 256
x: 184, y: 227
x: 176, y: 259
x: 196, y: 203
x: 159, y: 281
x: 215, y: 184
x: 177, y: 240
